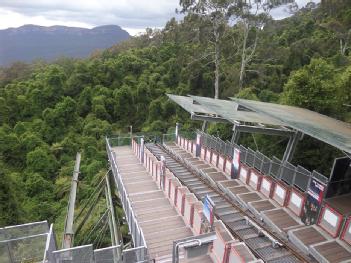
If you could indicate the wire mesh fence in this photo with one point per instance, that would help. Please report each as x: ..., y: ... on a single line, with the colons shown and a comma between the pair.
x: 24, y: 243
x: 81, y: 254
x: 107, y: 255
x: 280, y: 170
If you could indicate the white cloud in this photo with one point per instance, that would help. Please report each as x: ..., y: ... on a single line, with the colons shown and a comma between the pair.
x: 87, y: 13
x: 13, y: 19
x: 133, y: 15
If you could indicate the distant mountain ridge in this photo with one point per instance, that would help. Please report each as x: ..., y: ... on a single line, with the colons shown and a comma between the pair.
x: 30, y: 42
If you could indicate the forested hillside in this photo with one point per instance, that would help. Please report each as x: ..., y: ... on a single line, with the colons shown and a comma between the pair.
x: 48, y: 112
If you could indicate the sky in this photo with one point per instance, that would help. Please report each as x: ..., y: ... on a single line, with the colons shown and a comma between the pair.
x: 132, y: 15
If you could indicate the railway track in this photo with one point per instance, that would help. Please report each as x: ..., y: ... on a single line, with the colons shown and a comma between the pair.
x: 262, y: 242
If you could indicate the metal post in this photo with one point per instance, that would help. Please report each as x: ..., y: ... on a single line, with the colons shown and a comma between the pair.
x: 235, y: 137
x: 177, y: 130
x: 67, y: 241
x: 162, y: 172
x: 141, y: 150
x: 204, y: 126
x: 291, y: 147
x: 131, y: 131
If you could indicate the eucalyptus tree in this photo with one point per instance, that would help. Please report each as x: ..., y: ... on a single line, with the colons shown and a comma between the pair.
x: 251, y: 19
x: 250, y: 15
x: 216, y: 13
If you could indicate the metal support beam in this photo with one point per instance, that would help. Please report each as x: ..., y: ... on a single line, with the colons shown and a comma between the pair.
x: 204, y: 126
x: 263, y: 130
x: 236, y: 135
x: 197, y: 117
x: 291, y: 147
x: 67, y: 241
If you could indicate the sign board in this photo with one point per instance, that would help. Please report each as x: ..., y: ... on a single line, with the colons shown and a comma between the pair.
x: 236, y: 164
x: 208, y: 207
x: 315, y: 193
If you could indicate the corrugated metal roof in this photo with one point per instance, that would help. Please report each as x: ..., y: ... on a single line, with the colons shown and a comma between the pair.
x: 187, y: 104
x: 229, y: 110
x: 321, y: 127
x: 225, y: 109
x: 316, y: 125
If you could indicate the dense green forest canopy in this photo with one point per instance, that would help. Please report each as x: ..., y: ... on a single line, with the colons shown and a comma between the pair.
x: 48, y: 112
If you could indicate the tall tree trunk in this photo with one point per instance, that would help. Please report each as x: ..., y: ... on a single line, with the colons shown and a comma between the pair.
x: 217, y: 63
x: 243, y: 58
x: 216, y: 59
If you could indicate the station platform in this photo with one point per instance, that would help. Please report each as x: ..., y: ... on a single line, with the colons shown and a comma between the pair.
x: 157, y: 218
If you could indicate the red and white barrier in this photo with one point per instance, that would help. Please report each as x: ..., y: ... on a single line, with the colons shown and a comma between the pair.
x: 244, y: 174
x: 266, y: 187
x: 221, y: 163
x: 346, y: 234
x: 296, y: 202
x: 190, y: 200
x: 255, y: 179
x: 280, y: 194
x: 330, y: 220
x: 182, y: 191
x: 214, y: 159
x: 222, y: 243
x: 168, y: 177
x: 197, y: 219
x: 228, y: 167
x: 174, y: 190
x: 208, y: 155
x: 203, y: 153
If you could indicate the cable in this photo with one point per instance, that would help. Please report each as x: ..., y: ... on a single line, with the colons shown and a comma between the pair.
x: 93, y: 229
x: 100, y: 234
x: 90, y: 198
x: 99, y: 243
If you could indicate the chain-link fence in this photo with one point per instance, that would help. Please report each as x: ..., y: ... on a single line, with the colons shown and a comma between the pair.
x: 290, y: 174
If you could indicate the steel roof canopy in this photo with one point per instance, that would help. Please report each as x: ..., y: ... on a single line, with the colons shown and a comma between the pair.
x: 219, y: 110
x: 316, y: 125
x: 231, y: 111
x: 319, y: 126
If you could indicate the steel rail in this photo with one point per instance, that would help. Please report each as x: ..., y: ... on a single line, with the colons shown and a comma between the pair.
x: 284, y: 244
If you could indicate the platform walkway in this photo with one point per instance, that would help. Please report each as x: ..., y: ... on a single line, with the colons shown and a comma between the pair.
x: 157, y: 218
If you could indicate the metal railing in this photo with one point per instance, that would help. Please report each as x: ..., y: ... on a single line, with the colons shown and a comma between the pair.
x: 285, y: 171
x: 81, y: 254
x: 24, y: 243
x: 136, y: 232
x: 51, y: 246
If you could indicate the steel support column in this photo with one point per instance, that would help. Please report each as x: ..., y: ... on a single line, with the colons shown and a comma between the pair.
x: 204, y: 126
x: 235, y: 136
x: 291, y: 147
x: 67, y: 241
